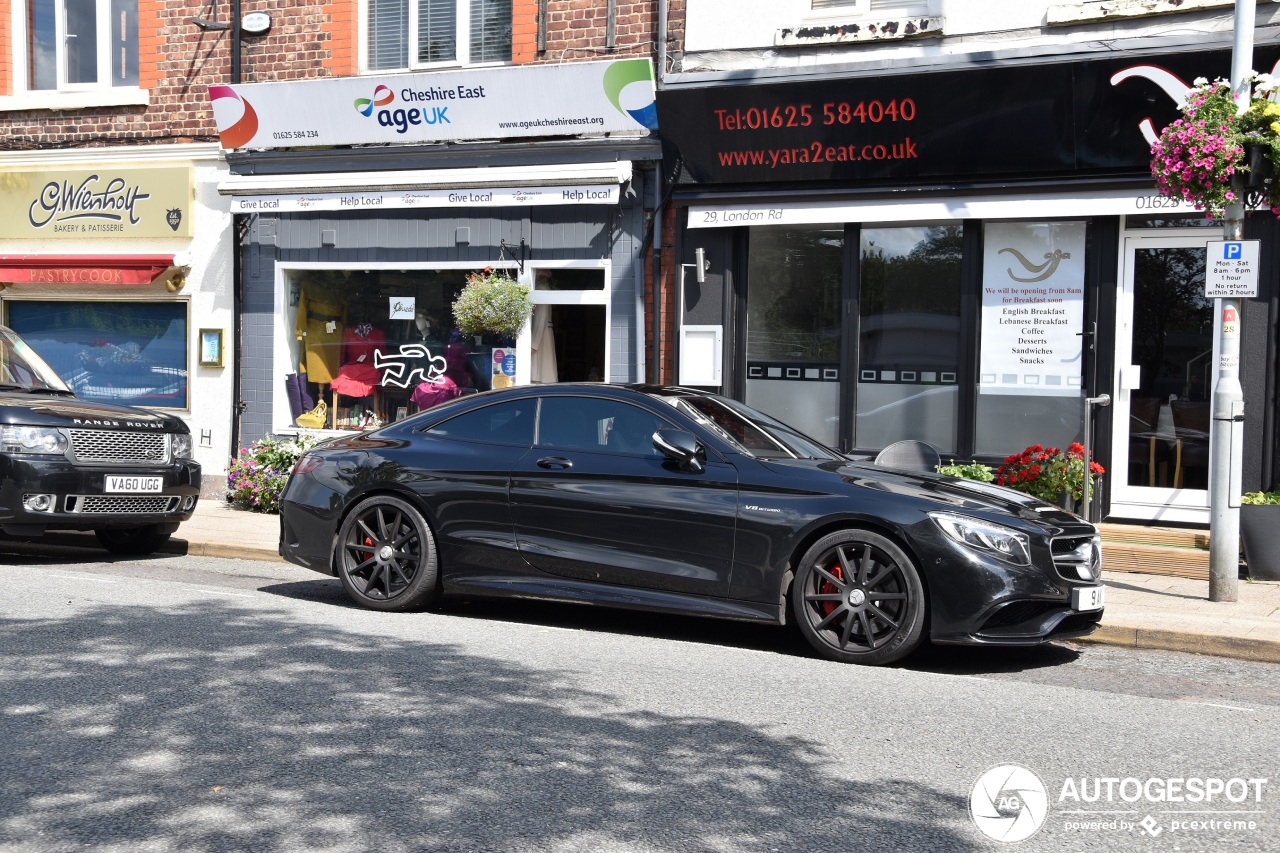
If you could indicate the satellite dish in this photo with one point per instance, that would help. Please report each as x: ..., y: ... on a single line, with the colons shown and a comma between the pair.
x: 255, y: 23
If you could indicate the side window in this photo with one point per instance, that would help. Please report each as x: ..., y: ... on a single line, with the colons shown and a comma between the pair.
x: 586, y: 423
x: 503, y: 423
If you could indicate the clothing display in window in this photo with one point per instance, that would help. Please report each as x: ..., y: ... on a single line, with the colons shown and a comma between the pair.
x: 358, y: 377
x: 435, y: 392
x: 319, y: 328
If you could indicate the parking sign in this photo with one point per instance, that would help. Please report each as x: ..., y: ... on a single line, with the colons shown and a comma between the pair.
x: 1231, y: 269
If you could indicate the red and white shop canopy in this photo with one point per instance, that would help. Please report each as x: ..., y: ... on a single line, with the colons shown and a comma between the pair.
x: 83, y: 269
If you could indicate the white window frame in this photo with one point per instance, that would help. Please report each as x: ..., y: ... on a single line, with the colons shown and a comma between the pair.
x: 604, y: 296
x: 66, y: 95
x: 864, y: 9
x: 463, y: 41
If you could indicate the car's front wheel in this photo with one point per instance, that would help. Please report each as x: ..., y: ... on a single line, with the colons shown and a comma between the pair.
x: 858, y: 598
x: 132, y: 541
x: 386, y: 555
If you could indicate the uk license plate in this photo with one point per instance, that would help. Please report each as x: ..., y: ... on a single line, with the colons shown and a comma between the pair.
x: 133, y: 484
x: 1087, y: 597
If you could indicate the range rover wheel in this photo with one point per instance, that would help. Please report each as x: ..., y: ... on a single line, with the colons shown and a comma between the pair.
x: 858, y: 599
x: 386, y: 555
x: 132, y: 541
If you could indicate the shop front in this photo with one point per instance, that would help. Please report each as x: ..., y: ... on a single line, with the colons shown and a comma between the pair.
x: 910, y: 257
x: 352, y: 260
x: 109, y: 269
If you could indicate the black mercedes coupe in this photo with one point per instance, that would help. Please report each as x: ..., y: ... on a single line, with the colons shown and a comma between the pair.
x: 673, y: 500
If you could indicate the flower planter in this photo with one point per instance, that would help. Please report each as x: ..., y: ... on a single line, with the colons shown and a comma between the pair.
x: 1077, y: 506
x: 1260, y: 530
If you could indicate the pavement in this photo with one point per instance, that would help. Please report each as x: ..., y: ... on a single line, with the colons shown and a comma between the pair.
x: 1143, y: 611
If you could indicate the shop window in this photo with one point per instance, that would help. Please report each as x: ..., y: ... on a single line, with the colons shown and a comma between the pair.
x: 909, y: 336
x: 370, y: 347
x: 1030, y: 364
x: 418, y: 33
x: 69, y: 45
x: 794, y: 325
x: 133, y: 353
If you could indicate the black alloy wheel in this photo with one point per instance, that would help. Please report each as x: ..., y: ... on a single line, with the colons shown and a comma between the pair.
x: 132, y: 541
x: 858, y: 599
x: 386, y: 555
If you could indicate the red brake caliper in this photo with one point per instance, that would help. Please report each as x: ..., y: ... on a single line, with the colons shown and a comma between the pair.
x: 828, y: 588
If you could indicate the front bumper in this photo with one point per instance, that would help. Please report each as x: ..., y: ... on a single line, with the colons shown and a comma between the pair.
x: 80, y: 500
x: 977, y: 599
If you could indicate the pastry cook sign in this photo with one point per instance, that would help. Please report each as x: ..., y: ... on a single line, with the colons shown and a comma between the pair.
x: 1033, y: 309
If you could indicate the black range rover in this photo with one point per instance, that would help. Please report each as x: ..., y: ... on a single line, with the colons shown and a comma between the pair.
x: 71, y: 464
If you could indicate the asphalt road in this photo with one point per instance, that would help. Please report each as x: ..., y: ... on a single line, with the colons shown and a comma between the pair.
x: 198, y: 704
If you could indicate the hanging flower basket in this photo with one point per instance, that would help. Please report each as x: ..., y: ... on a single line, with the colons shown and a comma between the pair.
x: 1210, y: 157
x: 492, y: 302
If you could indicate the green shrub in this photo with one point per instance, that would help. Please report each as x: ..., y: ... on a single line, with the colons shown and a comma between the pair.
x: 968, y: 471
x: 1265, y: 498
x: 257, y: 476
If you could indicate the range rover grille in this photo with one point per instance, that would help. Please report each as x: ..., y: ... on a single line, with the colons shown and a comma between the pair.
x: 111, y: 447
x: 121, y: 505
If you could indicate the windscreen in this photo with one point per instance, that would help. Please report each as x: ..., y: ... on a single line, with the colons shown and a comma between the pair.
x: 22, y: 368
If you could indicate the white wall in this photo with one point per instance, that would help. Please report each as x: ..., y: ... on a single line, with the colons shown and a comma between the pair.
x: 715, y: 29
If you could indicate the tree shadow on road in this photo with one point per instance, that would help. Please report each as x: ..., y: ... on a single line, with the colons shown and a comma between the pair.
x: 207, y: 727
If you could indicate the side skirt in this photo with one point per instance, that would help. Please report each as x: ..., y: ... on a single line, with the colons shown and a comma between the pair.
x: 584, y: 592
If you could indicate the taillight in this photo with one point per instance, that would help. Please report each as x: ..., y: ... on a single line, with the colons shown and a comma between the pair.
x: 308, y: 463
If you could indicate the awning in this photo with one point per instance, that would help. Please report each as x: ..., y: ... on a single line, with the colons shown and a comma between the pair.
x: 490, y: 186
x: 83, y: 269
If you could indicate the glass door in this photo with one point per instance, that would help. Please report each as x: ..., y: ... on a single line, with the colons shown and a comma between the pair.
x: 1165, y: 369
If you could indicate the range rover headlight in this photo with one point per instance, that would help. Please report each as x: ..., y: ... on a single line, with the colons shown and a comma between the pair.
x: 1007, y: 544
x: 180, y: 444
x: 29, y: 439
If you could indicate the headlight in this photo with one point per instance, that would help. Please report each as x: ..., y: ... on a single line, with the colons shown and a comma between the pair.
x: 180, y: 443
x: 1004, y: 542
x: 25, y: 439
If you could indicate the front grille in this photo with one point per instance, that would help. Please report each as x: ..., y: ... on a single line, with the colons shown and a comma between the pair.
x: 122, y: 505
x: 117, y: 447
x: 1077, y: 558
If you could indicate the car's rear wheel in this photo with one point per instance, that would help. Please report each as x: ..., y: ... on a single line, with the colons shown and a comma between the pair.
x: 386, y: 555
x: 857, y: 598
x: 132, y: 541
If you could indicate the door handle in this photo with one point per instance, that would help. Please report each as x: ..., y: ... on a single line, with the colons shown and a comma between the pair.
x: 554, y: 462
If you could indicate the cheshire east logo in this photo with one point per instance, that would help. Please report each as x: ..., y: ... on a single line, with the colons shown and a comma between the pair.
x: 628, y: 83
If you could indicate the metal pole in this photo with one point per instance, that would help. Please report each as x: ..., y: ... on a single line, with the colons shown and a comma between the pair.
x: 1228, y: 397
x: 1089, y: 403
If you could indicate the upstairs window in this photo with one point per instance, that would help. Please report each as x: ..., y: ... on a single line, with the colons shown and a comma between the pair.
x: 406, y: 34
x: 70, y: 45
x: 867, y: 7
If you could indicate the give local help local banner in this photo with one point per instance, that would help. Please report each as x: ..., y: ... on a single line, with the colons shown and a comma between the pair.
x: 489, y: 103
x: 1032, y: 309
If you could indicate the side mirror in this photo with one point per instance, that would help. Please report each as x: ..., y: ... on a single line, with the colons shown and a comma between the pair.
x: 680, y: 446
